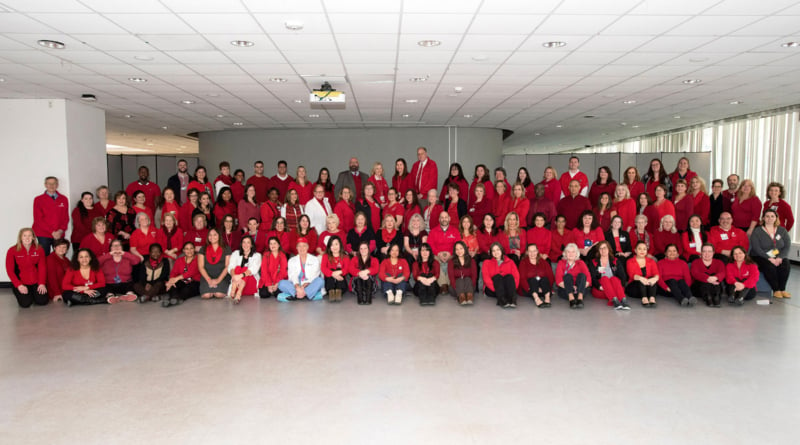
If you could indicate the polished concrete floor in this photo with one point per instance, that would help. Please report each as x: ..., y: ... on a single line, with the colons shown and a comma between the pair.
x: 208, y: 372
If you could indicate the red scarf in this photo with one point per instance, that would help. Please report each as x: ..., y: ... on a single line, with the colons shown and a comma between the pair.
x: 387, y: 235
x: 322, y: 204
x: 213, y: 256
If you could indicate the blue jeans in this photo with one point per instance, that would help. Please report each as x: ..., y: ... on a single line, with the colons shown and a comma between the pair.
x: 288, y: 292
x: 45, y: 243
x: 386, y: 286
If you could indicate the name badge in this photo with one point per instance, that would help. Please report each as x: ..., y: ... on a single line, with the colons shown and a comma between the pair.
x: 692, y: 244
x: 587, y: 243
x: 777, y: 237
x: 774, y: 208
x: 724, y: 237
x: 622, y: 239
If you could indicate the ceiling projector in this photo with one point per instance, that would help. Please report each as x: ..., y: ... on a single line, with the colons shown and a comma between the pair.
x: 326, y: 98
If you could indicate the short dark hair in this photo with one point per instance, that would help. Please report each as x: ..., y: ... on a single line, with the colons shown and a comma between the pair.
x: 575, y: 158
x: 181, y: 160
x: 143, y: 167
x: 224, y: 164
x: 281, y: 162
x: 258, y: 162
x: 238, y: 170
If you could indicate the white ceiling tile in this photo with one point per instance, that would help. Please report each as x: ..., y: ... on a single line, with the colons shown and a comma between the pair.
x: 9, y: 44
x: 370, y: 68
x: 45, y: 5
x: 276, y: 23
x: 535, y: 58
x: 416, y: 70
x: 222, y: 23
x: 421, y: 56
x: 79, y: 23
x: 367, y: 42
x: 450, y: 42
x: 223, y: 42
x: 472, y: 68
x: 166, y: 69
x: 308, y: 57
x: 775, y: 25
x: 441, y: 6
x: 644, y: 58
x: 110, y: 42
x: 295, y: 6
x: 12, y: 22
x: 492, y: 42
x: 731, y: 44
x: 673, y: 7
x: 589, y: 58
x: 621, y: 70
x: 534, y: 43
x: 328, y: 69
x: 198, y: 56
x: 675, y: 44
x: 435, y: 23
x: 569, y: 24
x: 708, y: 25
x: 520, y: 72
x: 151, y: 23
x: 596, y: 7
x: 255, y: 56
x: 365, y: 23
x: 644, y: 25
x: 304, y: 42
x: 28, y: 57
x: 481, y: 57
x: 177, y: 42
x: 268, y: 69
x: 746, y: 7
x: 518, y: 7
x: 216, y: 6
x: 206, y: 69
x: 752, y: 59
x: 505, y: 23
x: 360, y: 6
x: 139, y: 6
x: 572, y: 70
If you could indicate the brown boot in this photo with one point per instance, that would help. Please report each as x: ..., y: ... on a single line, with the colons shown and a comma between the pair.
x: 462, y: 299
x: 444, y: 289
x: 470, y: 298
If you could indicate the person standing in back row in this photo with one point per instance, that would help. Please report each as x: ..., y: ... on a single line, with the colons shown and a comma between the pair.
x: 179, y: 182
x: 352, y: 178
x: 50, y: 214
x: 282, y: 180
x: 259, y: 181
x: 574, y: 174
x: 151, y: 190
x: 425, y: 173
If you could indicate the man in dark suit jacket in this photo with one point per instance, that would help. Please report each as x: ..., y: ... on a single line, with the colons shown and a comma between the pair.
x: 179, y: 182
x: 352, y: 178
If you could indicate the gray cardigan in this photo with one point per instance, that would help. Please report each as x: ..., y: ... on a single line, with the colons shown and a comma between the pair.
x: 761, y: 242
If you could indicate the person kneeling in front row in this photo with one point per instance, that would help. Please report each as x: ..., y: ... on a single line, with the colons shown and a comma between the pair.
x: 305, y: 281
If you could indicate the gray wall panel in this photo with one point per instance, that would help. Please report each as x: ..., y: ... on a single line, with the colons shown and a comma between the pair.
x: 610, y: 160
x: 114, y: 181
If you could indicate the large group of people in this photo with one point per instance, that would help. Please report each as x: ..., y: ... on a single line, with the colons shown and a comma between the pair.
x: 650, y: 235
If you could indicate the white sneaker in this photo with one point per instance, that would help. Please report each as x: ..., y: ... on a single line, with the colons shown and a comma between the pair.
x: 390, y: 297
x: 398, y: 297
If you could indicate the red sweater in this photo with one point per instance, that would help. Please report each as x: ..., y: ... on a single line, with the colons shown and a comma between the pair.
x: 490, y: 268
x: 197, y: 237
x: 424, y: 178
x: 785, y: 215
x: 675, y: 176
x: 311, y: 237
x: 304, y: 192
x: 373, y: 266
x: 504, y: 240
x: 702, y: 206
x: 661, y: 239
x: 454, y: 273
x: 636, y: 189
x: 544, y: 206
x: 572, y: 207
x: 273, y: 269
x: 653, y: 218
x: 284, y: 237
x: 282, y: 185
x: 541, y: 237
x: 56, y: 269
x: 73, y: 278
x: 626, y: 209
x: 485, y: 240
x: 727, y: 240
x: 237, y: 190
x: 328, y: 266
x: 746, y: 211
x: 598, y: 189
x: 665, y: 208
x: 50, y: 214
x: 673, y: 270
x: 501, y: 205
x: 521, y: 206
x: 202, y: 187
x: 566, y: 178
x: 558, y: 242
x: 402, y: 185
x: 683, y: 210
x: 221, y: 211
x: 262, y: 185
x: 583, y: 239
x: 747, y: 274
x: 389, y: 270
x: 346, y: 213
x: 578, y: 268
x: 540, y: 269
x: 188, y: 271
x: 31, y: 264
x: 418, y: 271
x: 268, y: 212
x: 651, y: 269
x: 90, y: 242
x: 552, y: 190
x: 81, y: 225
x: 151, y: 190
x: 142, y: 241
x: 185, y: 215
x: 701, y: 273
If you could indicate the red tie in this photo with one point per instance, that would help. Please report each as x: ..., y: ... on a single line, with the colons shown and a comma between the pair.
x: 419, y: 177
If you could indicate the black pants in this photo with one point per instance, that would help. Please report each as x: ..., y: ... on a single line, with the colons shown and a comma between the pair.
x: 637, y: 289
x: 692, y: 258
x: 426, y: 294
x: 32, y: 297
x: 572, y: 286
x: 540, y: 286
x: 504, y: 290
x: 45, y: 243
x: 776, y: 276
x: 265, y: 293
x: 119, y: 288
x: 707, y: 290
x: 364, y: 289
x: 156, y: 289
x: 331, y: 284
x: 678, y: 289
x: 184, y: 290
x: 79, y: 298
x: 514, y: 257
x: 748, y: 293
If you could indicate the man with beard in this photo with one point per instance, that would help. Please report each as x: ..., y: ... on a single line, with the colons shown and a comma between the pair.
x: 151, y: 190
x: 179, y: 182
x: 352, y: 178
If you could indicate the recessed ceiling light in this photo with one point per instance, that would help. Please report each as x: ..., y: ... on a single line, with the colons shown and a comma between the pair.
x: 537, y: 134
x: 458, y: 89
x: 88, y: 97
x: 559, y: 126
x: 480, y: 57
x: 144, y: 58
x: 137, y: 79
x: 2, y: 79
x: 313, y: 115
x: 429, y: 43
x: 220, y: 115
x: 277, y: 79
x: 790, y: 44
x: 242, y: 43
x: 588, y: 116
x: 128, y: 116
x: 293, y: 25
x: 692, y: 81
x: 187, y: 102
x: 150, y: 144
x: 554, y: 44
x: 676, y: 116
x: 406, y: 116
x: 238, y: 124
x: 298, y: 101
x: 468, y: 116
x: 629, y: 102
x: 623, y: 123
x: 635, y: 126
x: 411, y: 101
x: 419, y: 79
x: 164, y: 127
x: 736, y: 102
x: 52, y: 44
x: 212, y: 94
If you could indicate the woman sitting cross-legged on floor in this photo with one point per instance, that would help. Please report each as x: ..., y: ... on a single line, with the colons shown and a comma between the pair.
x: 426, y: 276
x: 305, y: 280
x: 536, y: 276
x: 364, y: 271
x: 643, y: 275
x: 572, y: 277
x: 463, y: 274
x: 500, y: 277
x: 609, y: 275
x: 184, y: 281
x: 675, y: 279
x: 245, y: 268
x: 153, y: 275
x: 394, y: 273
x: 708, y: 276
x: 84, y: 281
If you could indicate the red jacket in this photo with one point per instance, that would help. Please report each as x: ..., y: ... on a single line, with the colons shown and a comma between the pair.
x: 490, y: 268
x: 424, y: 178
x: 56, y: 269
x: 346, y: 214
x: 651, y: 268
x: 578, y: 268
x: 702, y: 206
x: 558, y: 242
x: 566, y: 178
x: 485, y: 240
x: 727, y: 240
x: 673, y: 270
x: 746, y: 212
x: 521, y: 206
x: 373, y: 266
x: 389, y: 270
x: 417, y: 270
x: 31, y: 264
x: 598, y: 189
x: 454, y: 273
x: 661, y: 239
x: 281, y: 184
x: 701, y: 273
x: 328, y: 267
x: 626, y: 209
x: 683, y: 210
x: 50, y: 214
x: 90, y: 242
x: 72, y: 279
x: 747, y: 274
x: 443, y: 241
x: 582, y: 238
x: 572, y: 208
x: 541, y: 269
x: 552, y: 190
x: 785, y: 215
x: 541, y: 237
x: 152, y: 192
x: 189, y: 272
x: 304, y: 192
x: 273, y: 270
x: 504, y: 241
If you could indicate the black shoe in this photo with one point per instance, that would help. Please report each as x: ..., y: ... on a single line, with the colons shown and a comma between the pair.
x: 547, y: 305
x: 692, y: 301
x: 579, y: 304
x: 653, y: 305
x: 739, y: 301
x: 715, y: 301
x: 165, y: 302
x: 572, y: 304
x: 684, y: 302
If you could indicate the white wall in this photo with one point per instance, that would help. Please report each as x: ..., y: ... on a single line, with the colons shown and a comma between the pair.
x: 39, y: 137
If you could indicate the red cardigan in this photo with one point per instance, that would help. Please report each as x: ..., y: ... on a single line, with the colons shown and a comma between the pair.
x: 673, y: 270
x: 56, y: 269
x: 273, y: 270
x: 327, y: 267
x: 661, y: 239
x: 389, y: 270
x: 454, y: 273
x: 688, y: 246
x: 72, y: 279
x: 785, y: 215
x: 31, y: 264
x: 373, y: 266
x: 490, y: 268
x: 528, y: 270
x: 651, y: 268
x: 747, y: 274
x: 417, y: 270
x: 578, y: 268
x: 701, y: 273
x: 541, y: 237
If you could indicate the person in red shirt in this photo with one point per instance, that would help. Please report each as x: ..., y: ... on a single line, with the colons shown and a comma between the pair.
x: 334, y: 265
x: 332, y: 229
x: 520, y: 204
x: 665, y: 236
x: 536, y: 277
x: 99, y: 240
x: 184, y: 281
x: 224, y: 178
x: 198, y: 232
x: 302, y: 185
x: 608, y: 274
x: 729, y: 195
x: 381, y: 186
x: 442, y: 238
x: 224, y: 205
x: 500, y: 277
x: 481, y: 178
x: 560, y: 237
x: 144, y: 236
x: 646, y: 208
x: 169, y: 205
x: 237, y: 188
x: 539, y: 235
x: 463, y: 274
x: 572, y: 277
x: 587, y: 234
x: 152, y: 191
x: 84, y: 283
x: 573, y: 205
x: 512, y: 238
x: 201, y: 183
x: 725, y: 237
x: 426, y: 272
x: 539, y: 203
x: 185, y: 214
x: 693, y: 239
x: 139, y: 206
x: 394, y: 208
x: 279, y: 230
x: 57, y: 266
x: 282, y: 180
x: 641, y: 233
x: 632, y: 179
x: 619, y: 239
x: 501, y: 204
x: 480, y: 205
x: 662, y: 204
x: 117, y: 268
x: 574, y: 174
x: 304, y: 230
x: 603, y: 184
x: 386, y: 237
x: 364, y: 269
x: 746, y: 208
x: 274, y: 268
x: 741, y: 275
x: 103, y: 203
x: 260, y: 182
x: 82, y: 216
x: 624, y: 206
x: 684, y: 205
x: 412, y: 207
x: 701, y: 204
x: 401, y: 180
x: 775, y: 195
x: 268, y: 211
x: 394, y: 274
x: 324, y: 179
x: 345, y: 209
x: 173, y: 236
x: 708, y: 276
x: 50, y: 215
x: 552, y: 188
x: 674, y: 278
x: 424, y: 173
x: 643, y: 276
x: 456, y: 177
x: 682, y: 171
x: 602, y: 211
x: 27, y: 269
x: 260, y: 237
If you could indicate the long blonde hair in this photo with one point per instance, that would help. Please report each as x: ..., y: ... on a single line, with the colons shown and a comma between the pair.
x: 35, y: 242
